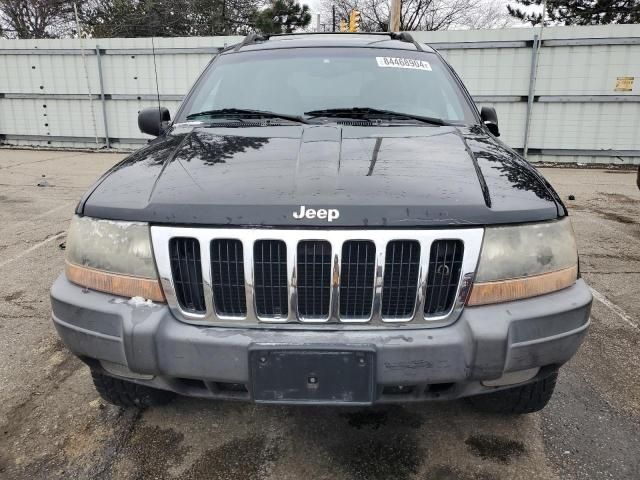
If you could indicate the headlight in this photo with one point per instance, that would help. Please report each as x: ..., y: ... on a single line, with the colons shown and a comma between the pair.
x: 525, y: 261
x: 113, y: 257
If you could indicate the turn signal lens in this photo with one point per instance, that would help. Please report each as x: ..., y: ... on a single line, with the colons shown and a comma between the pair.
x: 114, y: 283
x: 517, y: 288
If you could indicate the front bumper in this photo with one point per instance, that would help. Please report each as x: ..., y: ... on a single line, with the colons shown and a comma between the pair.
x: 146, y: 344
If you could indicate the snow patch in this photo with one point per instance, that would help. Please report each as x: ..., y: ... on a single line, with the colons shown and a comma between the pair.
x: 139, y: 301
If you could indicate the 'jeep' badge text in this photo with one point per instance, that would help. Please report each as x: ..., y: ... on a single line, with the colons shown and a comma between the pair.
x: 330, y: 214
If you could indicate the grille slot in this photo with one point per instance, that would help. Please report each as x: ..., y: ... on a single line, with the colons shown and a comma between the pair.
x: 270, y: 278
x: 184, y: 256
x: 227, y: 275
x: 402, y: 264
x: 445, y: 264
x: 314, y: 278
x: 357, y: 275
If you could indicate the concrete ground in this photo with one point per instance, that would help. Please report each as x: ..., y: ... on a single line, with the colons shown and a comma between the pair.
x: 53, y: 425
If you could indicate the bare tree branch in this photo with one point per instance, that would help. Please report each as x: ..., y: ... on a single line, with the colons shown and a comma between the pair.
x: 423, y: 14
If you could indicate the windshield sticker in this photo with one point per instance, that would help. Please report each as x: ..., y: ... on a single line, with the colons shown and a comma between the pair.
x: 395, y: 62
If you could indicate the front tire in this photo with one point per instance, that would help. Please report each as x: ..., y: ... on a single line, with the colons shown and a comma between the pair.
x: 128, y: 394
x: 528, y: 398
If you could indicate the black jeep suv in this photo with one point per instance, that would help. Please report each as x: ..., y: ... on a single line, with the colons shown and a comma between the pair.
x: 328, y: 219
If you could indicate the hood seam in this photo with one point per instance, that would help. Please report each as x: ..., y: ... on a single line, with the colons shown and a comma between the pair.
x: 169, y: 159
x: 483, y: 183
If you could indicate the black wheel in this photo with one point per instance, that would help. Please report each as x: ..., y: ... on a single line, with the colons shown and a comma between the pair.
x: 128, y: 394
x: 528, y: 398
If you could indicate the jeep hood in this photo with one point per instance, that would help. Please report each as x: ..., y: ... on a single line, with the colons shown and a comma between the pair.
x: 387, y: 176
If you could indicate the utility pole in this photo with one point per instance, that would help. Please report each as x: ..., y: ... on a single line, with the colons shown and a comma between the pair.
x: 394, y: 16
x: 333, y: 9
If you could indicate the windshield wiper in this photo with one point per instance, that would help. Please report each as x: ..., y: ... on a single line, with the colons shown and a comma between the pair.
x: 372, y: 113
x: 240, y: 113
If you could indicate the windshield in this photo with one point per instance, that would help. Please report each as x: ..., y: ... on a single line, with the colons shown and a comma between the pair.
x: 295, y: 81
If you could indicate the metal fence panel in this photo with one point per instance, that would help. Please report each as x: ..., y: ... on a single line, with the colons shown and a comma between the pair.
x: 586, y: 70
x: 586, y: 125
x: 485, y: 70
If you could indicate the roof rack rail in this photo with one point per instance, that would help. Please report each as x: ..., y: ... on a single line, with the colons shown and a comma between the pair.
x: 402, y: 36
x: 249, y: 40
x: 254, y: 38
x: 405, y: 37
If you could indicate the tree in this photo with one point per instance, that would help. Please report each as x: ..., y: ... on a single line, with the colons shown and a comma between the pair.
x: 422, y: 14
x: 171, y: 18
x: 282, y: 16
x: 35, y: 18
x: 579, y: 12
x: 146, y: 18
x: 133, y: 18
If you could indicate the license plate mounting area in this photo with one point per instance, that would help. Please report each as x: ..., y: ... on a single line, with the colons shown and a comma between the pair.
x: 317, y: 375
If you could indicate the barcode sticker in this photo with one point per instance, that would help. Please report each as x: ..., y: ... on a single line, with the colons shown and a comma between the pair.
x: 396, y: 62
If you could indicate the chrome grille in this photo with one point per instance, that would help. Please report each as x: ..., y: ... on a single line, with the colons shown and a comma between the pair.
x: 227, y: 277
x: 187, y: 273
x: 314, y: 278
x: 270, y: 270
x: 252, y: 277
x: 445, y: 263
x: 357, y: 277
x: 402, y: 262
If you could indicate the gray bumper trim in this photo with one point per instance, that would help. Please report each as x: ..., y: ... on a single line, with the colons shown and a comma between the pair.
x: 80, y: 330
x: 483, y: 344
x: 560, y: 336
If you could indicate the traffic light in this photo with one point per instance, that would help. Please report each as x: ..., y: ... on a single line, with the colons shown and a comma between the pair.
x: 343, y: 25
x: 354, y: 21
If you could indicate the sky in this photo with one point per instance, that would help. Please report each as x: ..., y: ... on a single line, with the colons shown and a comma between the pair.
x: 313, y: 5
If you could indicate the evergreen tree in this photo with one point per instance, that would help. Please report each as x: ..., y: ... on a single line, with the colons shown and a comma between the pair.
x: 282, y: 16
x: 580, y: 12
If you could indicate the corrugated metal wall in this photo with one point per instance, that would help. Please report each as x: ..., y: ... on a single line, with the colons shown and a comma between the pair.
x: 574, y: 110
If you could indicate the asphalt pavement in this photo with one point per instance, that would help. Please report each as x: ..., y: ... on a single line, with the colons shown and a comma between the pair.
x: 53, y: 424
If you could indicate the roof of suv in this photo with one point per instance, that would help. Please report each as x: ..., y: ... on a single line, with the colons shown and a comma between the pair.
x: 398, y: 41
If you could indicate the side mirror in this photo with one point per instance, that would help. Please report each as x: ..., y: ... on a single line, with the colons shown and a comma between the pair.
x: 153, y: 120
x: 490, y: 119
